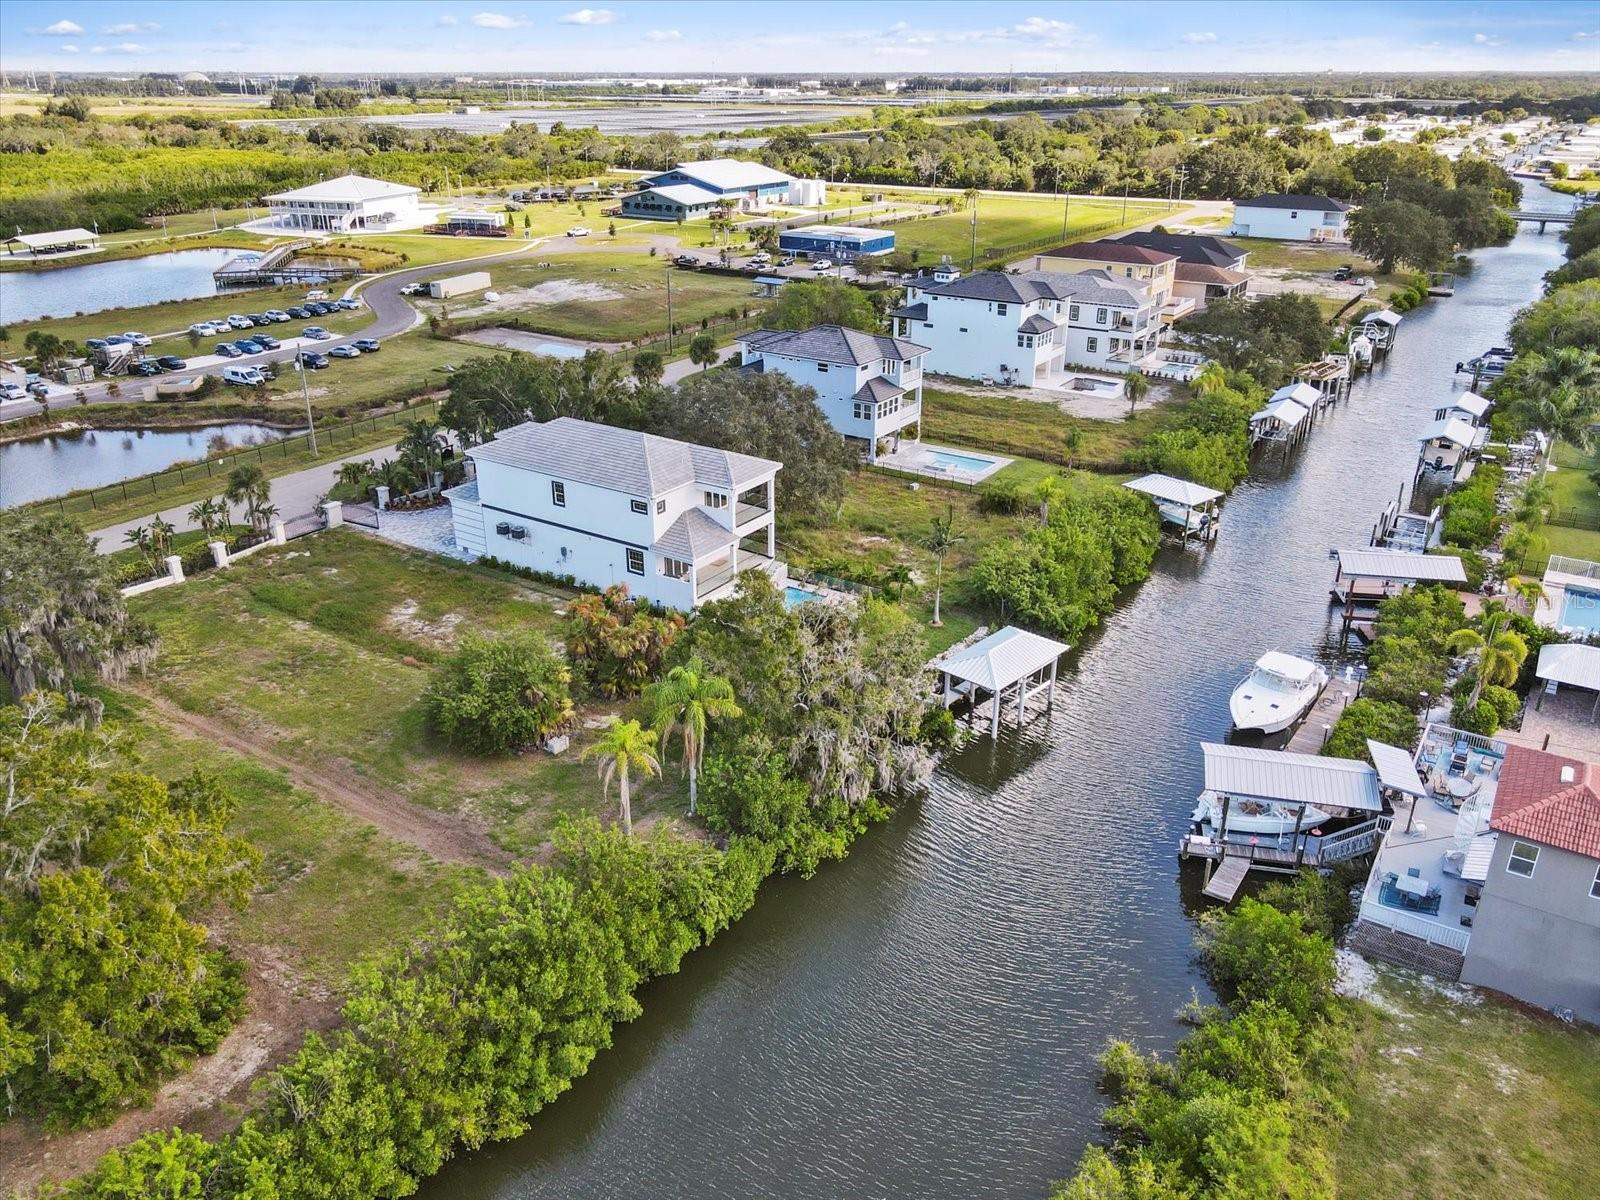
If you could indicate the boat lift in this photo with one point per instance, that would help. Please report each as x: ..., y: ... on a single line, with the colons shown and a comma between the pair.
x: 1009, y: 660
x: 1188, y: 508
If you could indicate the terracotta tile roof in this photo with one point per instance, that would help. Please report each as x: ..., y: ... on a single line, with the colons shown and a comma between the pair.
x: 1547, y: 798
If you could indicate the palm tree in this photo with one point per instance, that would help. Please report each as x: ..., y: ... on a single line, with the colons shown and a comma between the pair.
x: 1560, y: 392
x: 208, y: 515
x: 356, y: 475
x: 161, y: 532
x: 1072, y: 443
x: 1137, y: 387
x: 896, y: 579
x: 422, y: 448
x: 247, y: 485
x: 1529, y: 591
x: 139, y: 537
x: 1048, y: 492
x: 621, y: 749
x: 1212, y: 377
x: 686, y: 700
x: 703, y: 350
x: 1497, y: 655
x: 942, y: 539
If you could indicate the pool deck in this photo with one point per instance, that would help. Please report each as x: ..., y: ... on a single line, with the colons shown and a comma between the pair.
x: 917, y: 458
x: 504, y: 338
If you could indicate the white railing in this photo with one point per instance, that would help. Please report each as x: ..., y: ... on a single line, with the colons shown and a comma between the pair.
x: 1434, y: 932
x: 1578, y: 568
x: 1349, y: 843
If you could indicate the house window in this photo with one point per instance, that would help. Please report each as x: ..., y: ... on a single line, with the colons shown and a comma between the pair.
x: 1293, y: 215
x: 1092, y: 345
x: 1072, y: 312
x: 1099, y: 316
x: 963, y: 329
x: 558, y: 494
x: 716, y: 500
x: 640, y: 507
x: 1524, y: 857
x: 673, y: 569
x: 661, y: 506
x: 862, y: 410
x: 1025, y: 340
x: 822, y: 367
x: 1594, y: 888
x: 635, y: 561
x: 1001, y: 309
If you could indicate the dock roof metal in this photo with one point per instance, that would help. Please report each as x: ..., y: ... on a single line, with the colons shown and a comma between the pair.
x: 1249, y: 773
x: 1450, y: 429
x: 1471, y: 402
x: 1386, y: 316
x: 1178, y: 491
x: 58, y: 237
x: 1002, y: 658
x: 1401, y: 565
x: 350, y: 188
x: 1285, y: 412
x: 1570, y: 663
x: 1396, y: 768
x: 1301, y: 393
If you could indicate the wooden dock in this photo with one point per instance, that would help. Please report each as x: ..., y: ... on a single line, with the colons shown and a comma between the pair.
x: 1225, y: 880
x: 1330, y: 702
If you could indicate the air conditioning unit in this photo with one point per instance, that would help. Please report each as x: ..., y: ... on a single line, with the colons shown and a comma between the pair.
x: 519, y: 532
x: 503, y: 529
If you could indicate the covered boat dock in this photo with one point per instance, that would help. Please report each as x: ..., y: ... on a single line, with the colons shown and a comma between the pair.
x: 1572, y: 664
x: 1188, y: 507
x: 57, y: 241
x: 1010, y: 660
x: 1366, y: 577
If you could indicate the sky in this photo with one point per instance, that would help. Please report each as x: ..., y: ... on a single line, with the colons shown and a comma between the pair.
x: 725, y: 37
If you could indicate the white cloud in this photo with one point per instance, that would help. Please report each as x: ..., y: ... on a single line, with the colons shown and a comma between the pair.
x: 1043, y: 27
x: 120, y: 48
x: 590, y: 16
x: 1582, y: 35
x: 63, y: 29
x: 493, y: 20
x: 663, y: 35
x: 1483, y: 39
x: 449, y: 19
x: 1198, y: 39
x: 128, y: 27
x: 69, y: 49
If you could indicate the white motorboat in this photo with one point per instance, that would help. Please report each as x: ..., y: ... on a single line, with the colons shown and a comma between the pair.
x: 1276, y: 693
x: 1256, y: 818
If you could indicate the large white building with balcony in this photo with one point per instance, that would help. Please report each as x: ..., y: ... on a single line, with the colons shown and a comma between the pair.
x: 674, y: 521
x: 869, y: 386
x: 1029, y: 327
x: 349, y: 202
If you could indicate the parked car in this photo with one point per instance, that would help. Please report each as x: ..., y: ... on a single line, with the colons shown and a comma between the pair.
x: 202, y: 328
x: 347, y: 304
x: 117, y: 339
x: 277, y: 314
x: 239, y: 321
x: 344, y: 352
x: 39, y: 390
x: 145, y: 367
x: 316, y: 333
x: 229, y: 350
x: 138, y: 339
x: 414, y: 289
x: 298, y: 314
x: 266, y: 341
x: 366, y: 345
x: 246, y: 346
x: 171, y: 362
x: 578, y: 231
x: 243, y: 376
x: 94, y: 344
x: 316, y: 294
x: 313, y: 361
x: 11, y: 391
x: 687, y: 260
x: 1343, y: 272
x: 822, y: 264
x: 786, y: 261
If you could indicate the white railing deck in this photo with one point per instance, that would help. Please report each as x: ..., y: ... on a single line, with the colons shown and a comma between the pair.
x: 1435, y: 932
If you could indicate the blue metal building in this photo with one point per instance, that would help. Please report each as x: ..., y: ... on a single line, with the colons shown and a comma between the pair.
x: 836, y: 241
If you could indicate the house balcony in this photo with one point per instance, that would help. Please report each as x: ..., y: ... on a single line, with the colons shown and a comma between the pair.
x: 1176, y: 309
x: 746, y: 515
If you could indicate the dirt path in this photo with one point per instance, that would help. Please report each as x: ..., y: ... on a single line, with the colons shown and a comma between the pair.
x: 446, y: 837
x: 206, y: 1099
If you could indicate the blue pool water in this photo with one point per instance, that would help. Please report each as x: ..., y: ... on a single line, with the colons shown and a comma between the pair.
x: 962, y: 462
x: 1581, y: 610
x: 795, y: 595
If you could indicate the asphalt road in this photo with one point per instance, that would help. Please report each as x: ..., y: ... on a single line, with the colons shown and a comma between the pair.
x: 391, y: 314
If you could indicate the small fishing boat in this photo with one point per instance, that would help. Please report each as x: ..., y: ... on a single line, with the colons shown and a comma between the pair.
x: 1254, y: 817
x: 1276, y: 693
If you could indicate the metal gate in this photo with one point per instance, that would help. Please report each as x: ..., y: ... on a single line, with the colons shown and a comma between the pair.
x: 364, y: 515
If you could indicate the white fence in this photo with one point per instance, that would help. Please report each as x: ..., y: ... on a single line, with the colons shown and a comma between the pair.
x: 222, y: 556
x: 1434, y: 932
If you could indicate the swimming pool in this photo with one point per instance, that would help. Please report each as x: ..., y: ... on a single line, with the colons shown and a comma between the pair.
x: 960, y: 462
x: 1580, y: 609
x: 798, y: 595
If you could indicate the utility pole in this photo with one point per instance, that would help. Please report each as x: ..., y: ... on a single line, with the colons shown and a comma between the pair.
x: 973, y: 264
x: 1066, y: 212
x: 1124, y: 201
x: 669, y: 310
x: 305, y: 392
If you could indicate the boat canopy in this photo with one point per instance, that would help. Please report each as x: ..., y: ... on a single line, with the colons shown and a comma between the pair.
x: 1287, y: 412
x: 1385, y: 316
x: 1246, y: 773
x: 1402, y: 566
x: 1001, y: 659
x: 1301, y: 393
x: 1471, y: 403
x: 1453, y: 430
x: 1178, y: 491
x: 1396, y: 769
x: 1297, y: 670
x: 1570, y: 663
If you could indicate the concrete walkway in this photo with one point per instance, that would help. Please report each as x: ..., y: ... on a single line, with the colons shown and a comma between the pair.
x: 295, y: 494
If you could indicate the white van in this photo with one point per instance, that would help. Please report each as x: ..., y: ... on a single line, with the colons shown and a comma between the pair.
x: 243, y: 376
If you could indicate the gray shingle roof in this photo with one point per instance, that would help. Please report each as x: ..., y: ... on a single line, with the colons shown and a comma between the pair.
x: 1037, y: 324
x: 834, y: 344
x: 1196, y: 248
x: 1094, y: 287
x: 911, y: 312
x: 1295, y: 200
x: 693, y: 534
x: 878, y: 388
x: 1120, y: 252
x: 622, y: 460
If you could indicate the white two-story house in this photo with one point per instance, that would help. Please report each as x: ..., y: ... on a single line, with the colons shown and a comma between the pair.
x: 869, y: 386
x: 1026, y: 328
x: 1291, y: 218
x: 674, y: 521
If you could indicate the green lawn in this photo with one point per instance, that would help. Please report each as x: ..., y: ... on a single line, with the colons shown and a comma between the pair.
x: 333, y: 890
x: 629, y: 296
x: 1008, y: 220
x: 323, y: 649
x: 406, y: 366
x: 1033, y: 430
x: 1451, y: 1099
x: 1573, y: 493
x: 173, y: 317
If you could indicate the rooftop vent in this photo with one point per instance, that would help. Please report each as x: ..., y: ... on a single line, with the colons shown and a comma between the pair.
x: 1569, y: 775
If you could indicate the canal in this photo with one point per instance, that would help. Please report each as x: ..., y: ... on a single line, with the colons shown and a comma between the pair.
x: 922, y: 1020
x: 122, y: 283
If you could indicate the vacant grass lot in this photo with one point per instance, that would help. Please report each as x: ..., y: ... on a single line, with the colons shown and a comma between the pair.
x: 1005, y: 221
x: 1452, y: 1095
x: 407, y: 365
x: 623, y: 296
x: 173, y: 317
x: 321, y: 651
x: 1035, y: 430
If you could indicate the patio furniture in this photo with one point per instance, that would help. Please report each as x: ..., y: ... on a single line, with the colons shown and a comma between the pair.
x: 1414, y: 887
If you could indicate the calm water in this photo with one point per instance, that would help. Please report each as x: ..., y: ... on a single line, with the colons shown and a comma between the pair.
x: 922, y: 1020
x: 127, y: 283
x: 53, y: 466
